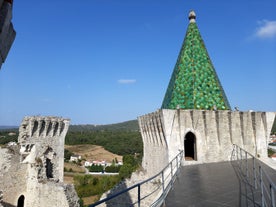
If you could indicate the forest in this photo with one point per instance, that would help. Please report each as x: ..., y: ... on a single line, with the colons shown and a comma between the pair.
x: 122, y: 139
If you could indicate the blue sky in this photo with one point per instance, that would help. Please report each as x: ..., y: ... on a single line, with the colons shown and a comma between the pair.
x: 108, y: 61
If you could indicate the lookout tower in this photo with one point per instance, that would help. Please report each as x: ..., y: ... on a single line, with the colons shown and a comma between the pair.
x: 196, y: 116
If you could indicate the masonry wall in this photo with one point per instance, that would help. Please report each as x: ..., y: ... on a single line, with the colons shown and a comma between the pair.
x: 7, y: 33
x: 12, y: 175
x: 42, y: 141
x: 34, y: 167
x: 155, y: 143
x: 215, y: 132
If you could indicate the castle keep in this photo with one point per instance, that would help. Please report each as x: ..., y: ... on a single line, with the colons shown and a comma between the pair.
x: 196, y: 116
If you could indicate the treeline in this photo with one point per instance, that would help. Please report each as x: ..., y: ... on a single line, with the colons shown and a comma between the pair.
x: 7, y: 136
x: 123, y: 126
x: 121, y: 138
x: 117, y: 142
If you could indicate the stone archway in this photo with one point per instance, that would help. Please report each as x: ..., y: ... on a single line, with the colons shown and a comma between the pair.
x: 20, y: 201
x: 190, y: 146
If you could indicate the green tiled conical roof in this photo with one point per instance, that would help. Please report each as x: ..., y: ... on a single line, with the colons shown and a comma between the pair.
x: 194, y: 83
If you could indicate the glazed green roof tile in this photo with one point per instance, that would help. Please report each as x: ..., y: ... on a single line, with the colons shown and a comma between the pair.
x: 194, y: 83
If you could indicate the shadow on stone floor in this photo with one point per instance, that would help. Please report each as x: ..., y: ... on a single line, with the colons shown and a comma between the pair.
x: 123, y: 200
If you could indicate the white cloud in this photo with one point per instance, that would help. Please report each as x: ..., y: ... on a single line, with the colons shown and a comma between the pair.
x: 126, y: 81
x: 267, y: 29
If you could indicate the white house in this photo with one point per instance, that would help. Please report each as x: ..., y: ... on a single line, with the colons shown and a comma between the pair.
x: 75, y: 158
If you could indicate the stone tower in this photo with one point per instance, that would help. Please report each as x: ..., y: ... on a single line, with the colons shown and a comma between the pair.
x: 196, y: 116
x: 31, y: 172
x: 41, y: 142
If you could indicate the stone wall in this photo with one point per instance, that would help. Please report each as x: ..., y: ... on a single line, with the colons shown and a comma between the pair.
x: 13, y: 175
x: 33, y: 169
x: 215, y: 133
x: 42, y: 141
x: 155, y: 143
x: 7, y: 33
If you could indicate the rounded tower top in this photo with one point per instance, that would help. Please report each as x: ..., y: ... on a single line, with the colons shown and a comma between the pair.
x: 192, y: 16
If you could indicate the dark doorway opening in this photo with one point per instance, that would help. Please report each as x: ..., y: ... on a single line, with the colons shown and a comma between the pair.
x: 20, y: 202
x: 190, y: 146
x: 49, y: 168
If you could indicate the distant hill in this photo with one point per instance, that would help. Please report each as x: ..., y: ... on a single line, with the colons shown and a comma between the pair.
x: 131, y: 125
x: 123, y: 126
x: 8, y: 127
x: 121, y: 138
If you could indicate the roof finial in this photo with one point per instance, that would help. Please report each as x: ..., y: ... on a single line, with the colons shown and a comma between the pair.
x: 192, y: 16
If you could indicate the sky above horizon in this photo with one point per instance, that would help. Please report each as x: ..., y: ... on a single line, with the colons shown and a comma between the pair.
x: 109, y: 61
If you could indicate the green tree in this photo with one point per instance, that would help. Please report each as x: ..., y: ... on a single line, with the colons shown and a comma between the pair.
x: 125, y: 171
x: 130, y: 160
x: 81, y: 202
x: 96, y: 168
x: 67, y: 154
x: 113, y: 168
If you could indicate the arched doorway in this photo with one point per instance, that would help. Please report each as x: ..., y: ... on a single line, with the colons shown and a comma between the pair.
x: 190, y: 146
x: 20, y: 201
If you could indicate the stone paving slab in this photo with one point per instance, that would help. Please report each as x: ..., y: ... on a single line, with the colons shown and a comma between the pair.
x: 212, y: 184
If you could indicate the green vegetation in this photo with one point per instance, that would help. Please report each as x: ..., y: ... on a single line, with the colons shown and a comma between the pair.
x: 123, y: 126
x: 7, y: 136
x: 96, y: 168
x: 113, y: 169
x: 89, y: 185
x: 119, y: 142
x: 122, y: 139
x: 67, y: 155
x: 270, y: 152
x: 131, y: 163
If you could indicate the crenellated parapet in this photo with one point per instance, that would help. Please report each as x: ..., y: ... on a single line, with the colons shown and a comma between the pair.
x: 37, y: 128
x: 213, y: 133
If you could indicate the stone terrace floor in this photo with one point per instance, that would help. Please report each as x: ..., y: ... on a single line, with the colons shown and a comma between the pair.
x: 213, y: 184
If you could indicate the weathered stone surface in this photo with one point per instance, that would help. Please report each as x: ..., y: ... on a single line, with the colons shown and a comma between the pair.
x: 215, y: 133
x: 7, y: 33
x: 33, y: 170
x: 1, y: 198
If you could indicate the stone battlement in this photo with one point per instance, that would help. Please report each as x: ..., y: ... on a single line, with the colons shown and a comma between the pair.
x: 32, y: 172
x: 204, y: 135
x: 40, y: 127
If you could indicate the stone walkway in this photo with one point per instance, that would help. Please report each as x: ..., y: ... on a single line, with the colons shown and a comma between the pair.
x: 207, y: 185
